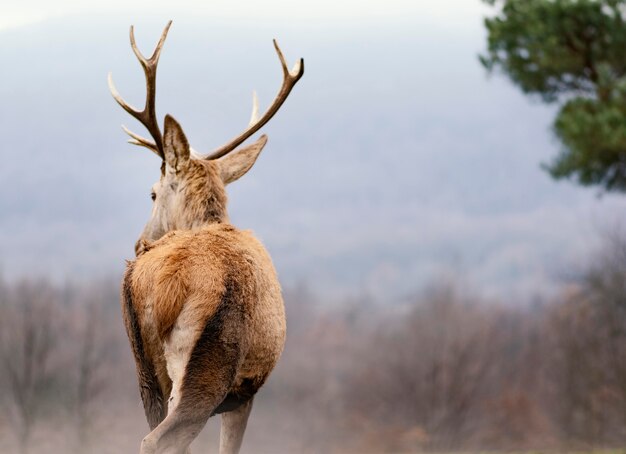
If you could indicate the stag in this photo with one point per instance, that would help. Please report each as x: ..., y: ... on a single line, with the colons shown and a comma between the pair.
x: 201, y: 302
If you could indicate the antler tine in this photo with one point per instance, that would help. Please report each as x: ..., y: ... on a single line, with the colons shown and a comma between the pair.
x: 147, y: 116
x: 281, y: 57
x: 290, y: 78
x: 136, y: 139
x: 255, y: 109
x: 154, y: 59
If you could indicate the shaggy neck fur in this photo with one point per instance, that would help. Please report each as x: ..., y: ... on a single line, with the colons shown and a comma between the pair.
x: 204, y: 196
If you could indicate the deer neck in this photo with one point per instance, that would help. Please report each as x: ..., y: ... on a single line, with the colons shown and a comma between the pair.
x: 203, y: 200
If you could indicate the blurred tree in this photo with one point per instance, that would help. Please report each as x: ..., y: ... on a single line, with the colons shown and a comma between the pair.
x: 572, y: 52
x: 28, y: 340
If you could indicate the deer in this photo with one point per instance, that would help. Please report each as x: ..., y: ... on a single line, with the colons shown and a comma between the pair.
x: 201, y: 301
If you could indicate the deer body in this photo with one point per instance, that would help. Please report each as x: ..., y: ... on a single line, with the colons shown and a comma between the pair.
x: 201, y: 302
x: 211, y: 294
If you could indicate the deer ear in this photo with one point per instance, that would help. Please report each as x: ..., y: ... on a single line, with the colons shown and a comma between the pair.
x: 175, y: 145
x: 235, y: 165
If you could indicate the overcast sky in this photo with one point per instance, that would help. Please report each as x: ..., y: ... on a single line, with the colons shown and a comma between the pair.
x: 396, y: 158
x: 457, y: 12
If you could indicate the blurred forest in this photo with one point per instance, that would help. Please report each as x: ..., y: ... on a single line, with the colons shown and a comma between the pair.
x: 443, y: 370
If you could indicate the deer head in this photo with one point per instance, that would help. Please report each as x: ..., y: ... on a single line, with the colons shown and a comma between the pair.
x: 191, y: 190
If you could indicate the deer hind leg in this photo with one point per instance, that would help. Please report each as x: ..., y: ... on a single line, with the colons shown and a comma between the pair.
x: 153, y: 392
x: 233, y: 427
x: 202, y: 369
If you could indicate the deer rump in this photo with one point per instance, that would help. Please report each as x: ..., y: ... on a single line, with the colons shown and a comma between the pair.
x: 204, y: 315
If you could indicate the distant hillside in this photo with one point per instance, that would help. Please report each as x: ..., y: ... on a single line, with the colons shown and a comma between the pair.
x: 393, y: 161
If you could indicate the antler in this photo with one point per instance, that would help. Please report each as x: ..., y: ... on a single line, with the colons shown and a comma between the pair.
x: 147, y: 116
x: 289, y: 80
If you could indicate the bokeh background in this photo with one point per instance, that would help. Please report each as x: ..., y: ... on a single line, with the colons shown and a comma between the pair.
x: 443, y: 291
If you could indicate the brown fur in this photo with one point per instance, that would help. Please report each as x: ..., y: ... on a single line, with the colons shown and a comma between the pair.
x: 225, y: 282
x: 205, y: 200
x: 201, y: 262
x: 151, y: 391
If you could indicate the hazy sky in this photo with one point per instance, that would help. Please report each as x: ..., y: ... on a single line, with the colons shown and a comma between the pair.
x: 455, y: 12
x: 395, y: 159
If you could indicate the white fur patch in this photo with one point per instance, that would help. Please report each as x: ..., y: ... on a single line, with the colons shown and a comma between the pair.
x: 177, y: 350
